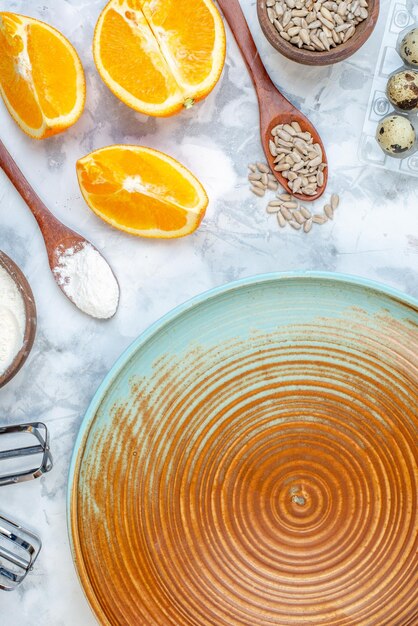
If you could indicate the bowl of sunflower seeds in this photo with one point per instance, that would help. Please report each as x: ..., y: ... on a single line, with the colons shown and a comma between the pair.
x: 317, y: 32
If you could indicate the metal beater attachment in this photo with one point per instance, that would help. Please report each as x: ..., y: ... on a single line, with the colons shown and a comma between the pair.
x: 24, y: 455
x: 20, y: 462
x: 19, y: 549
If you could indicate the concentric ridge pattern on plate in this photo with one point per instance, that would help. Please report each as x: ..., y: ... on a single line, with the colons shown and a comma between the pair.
x: 266, y: 481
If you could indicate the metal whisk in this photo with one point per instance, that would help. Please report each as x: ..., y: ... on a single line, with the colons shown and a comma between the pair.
x: 19, y: 462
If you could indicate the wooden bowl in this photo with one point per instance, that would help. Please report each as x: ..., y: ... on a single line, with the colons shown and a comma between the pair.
x: 307, y: 57
x: 30, y: 312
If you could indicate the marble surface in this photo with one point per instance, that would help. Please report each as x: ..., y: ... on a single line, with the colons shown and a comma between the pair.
x: 375, y: 235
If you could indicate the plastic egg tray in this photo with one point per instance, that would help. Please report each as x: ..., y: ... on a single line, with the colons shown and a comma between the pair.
x: 401, y: 19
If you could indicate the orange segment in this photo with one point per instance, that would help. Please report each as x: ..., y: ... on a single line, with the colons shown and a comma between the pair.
x: 186, y: 32
x: 159, y: 56
x: 41, y: 78
x: 146, y: 78
x: 142, y: 191
x: 58, y: 94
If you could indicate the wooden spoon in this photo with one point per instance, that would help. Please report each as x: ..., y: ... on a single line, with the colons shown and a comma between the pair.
x: 274, y: 107
x: 58, y: 238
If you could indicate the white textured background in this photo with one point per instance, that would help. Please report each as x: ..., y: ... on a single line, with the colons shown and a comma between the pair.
x: 375, y: 235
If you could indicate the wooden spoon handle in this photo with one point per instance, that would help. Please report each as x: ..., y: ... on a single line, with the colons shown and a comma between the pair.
x: 238, y: 24
x: 47, y: 222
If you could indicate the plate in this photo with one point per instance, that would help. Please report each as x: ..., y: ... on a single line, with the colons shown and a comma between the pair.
x: 252, y: 459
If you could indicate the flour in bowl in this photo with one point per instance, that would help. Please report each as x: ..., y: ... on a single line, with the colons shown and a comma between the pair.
x: 88, y: 281
x: 12, y: 320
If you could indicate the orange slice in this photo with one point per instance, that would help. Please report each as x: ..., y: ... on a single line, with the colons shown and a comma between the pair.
x: 142, y: 191
x: 41, y: 77
x: 159, y: 56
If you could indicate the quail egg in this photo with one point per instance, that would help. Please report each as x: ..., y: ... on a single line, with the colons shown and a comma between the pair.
x: 409, y: 48
x: 402, y: 90
x: 395, y: 135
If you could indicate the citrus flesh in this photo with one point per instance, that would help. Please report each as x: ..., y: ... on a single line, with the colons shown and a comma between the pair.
x: 41, y: 77
x: 142, y: 191
x: 159, y: 56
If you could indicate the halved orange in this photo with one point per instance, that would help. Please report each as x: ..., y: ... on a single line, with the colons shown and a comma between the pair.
x: 159, y: 56
x: 41, y: 77
x: 142, y: 191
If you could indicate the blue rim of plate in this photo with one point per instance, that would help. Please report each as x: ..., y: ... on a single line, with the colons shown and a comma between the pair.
x: 343, y: 279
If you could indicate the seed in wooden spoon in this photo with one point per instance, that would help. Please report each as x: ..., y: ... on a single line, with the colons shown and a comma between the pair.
x: 88, y: 281
x: 294, y: 153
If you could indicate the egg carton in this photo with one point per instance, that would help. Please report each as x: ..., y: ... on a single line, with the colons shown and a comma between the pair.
x: 402, y: 17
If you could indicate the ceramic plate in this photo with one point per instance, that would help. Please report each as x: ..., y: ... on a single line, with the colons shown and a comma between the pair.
x: 252, y: 460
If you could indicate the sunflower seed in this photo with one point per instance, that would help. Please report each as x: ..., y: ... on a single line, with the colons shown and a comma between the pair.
x: 335, y: 201
x: 281, y: 220
x: 263, y: 168
x: 286, y: 213
x: 329, y: 212
x: 283, y: 143
x: 304, y: 35
x: 295, y: 224
x: 319, y: 219
x: 298, y: 167
x: 283, y: 134
x: 307, y: 227
x: 297, y: 184
x: 305, y: 212
x: 258, y: 192
x: 349, y: 33
x: 254, y: 176
x: 315, y: 162
x: 298, y: 217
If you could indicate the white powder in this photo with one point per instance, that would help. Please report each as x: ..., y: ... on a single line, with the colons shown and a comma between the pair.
x: 88, y: 281
x: 12, y: 320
